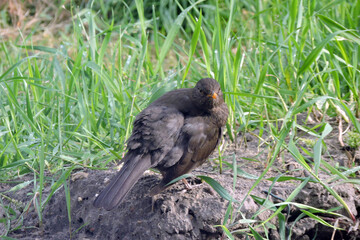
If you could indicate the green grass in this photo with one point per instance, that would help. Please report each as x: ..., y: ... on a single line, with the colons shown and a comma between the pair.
x: 72, y: 106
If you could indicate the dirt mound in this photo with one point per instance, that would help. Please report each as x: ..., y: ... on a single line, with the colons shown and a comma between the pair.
x: 178, y: 213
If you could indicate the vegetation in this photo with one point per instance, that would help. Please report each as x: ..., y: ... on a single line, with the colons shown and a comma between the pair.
x: 353, y: 140
x: 72, y: 81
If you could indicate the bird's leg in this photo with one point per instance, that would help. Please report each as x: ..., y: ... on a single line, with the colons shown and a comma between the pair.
x: 186, y: 183
x: 154, y: 192
x: 188, y: 186
x: 153, y: 200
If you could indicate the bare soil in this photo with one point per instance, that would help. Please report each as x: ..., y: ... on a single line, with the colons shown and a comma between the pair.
x: 178, y: 213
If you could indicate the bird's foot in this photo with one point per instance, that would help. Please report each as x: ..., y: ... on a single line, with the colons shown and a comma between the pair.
x: 187, y: 185
x: 190, y: 187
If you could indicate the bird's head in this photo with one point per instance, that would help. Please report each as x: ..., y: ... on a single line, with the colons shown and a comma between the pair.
x: 207, y: 94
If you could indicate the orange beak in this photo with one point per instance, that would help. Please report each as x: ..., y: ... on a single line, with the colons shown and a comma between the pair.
x: 214, y: 95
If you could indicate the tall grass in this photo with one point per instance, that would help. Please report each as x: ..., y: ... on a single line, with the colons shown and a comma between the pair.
x: 72, y: 106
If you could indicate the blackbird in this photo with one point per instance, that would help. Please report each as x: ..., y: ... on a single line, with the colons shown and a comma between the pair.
x: 174, y: 134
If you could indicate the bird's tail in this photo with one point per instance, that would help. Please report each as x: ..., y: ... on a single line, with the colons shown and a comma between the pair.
x: 120, y: 185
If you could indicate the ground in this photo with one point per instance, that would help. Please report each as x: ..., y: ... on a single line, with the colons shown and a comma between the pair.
x: 179, y: 213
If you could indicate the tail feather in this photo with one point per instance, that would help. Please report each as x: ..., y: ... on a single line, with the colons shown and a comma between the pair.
x: 120, y: 185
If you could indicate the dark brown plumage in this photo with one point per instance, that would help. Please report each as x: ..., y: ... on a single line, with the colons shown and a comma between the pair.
x: 174, y: 134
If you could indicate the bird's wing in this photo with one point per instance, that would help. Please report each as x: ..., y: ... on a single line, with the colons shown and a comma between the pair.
x: 203, y: 138
x: 155, y: 131
x: 197, y: 140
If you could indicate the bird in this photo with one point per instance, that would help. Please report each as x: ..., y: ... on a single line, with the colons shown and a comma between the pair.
x: 174, y: 134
